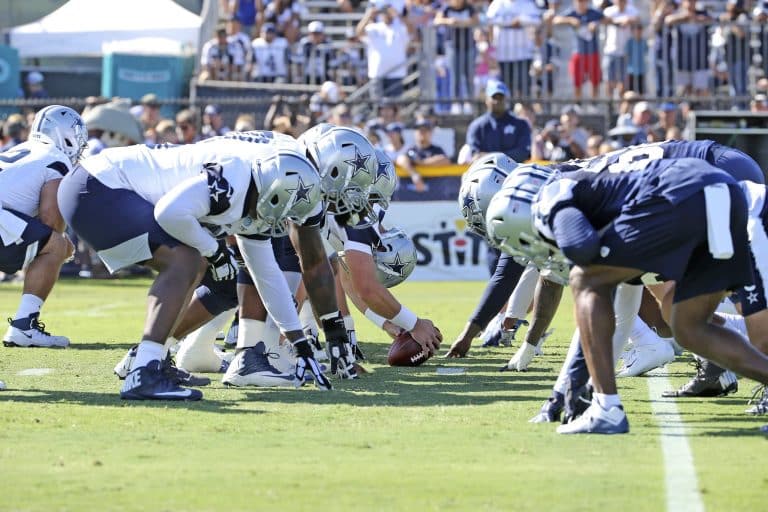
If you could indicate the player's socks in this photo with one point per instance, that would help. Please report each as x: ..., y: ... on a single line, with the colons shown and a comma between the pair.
x: 606, y: 401
x: 735, y: 323
x: 148, y: 351
x: 28, y: 305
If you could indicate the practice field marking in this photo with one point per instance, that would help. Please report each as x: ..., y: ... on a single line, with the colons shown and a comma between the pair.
x: 35, y: 372
x: 682, y: 487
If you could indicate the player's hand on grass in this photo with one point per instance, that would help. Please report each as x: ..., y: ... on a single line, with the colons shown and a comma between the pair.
x: 427, y: 335
x: 459, y: 348
x: 339, y: 348
x: 305, y: 362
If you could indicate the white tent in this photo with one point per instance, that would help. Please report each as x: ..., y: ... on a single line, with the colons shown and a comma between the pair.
x: 82, y: 27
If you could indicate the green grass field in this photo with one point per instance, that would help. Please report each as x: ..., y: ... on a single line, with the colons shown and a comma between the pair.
x: 396, y: 439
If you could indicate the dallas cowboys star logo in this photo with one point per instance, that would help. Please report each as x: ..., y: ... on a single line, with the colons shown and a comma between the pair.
x: 396, y: 266
x: 752, y: 297
x: 381, y: 172
x: 219, y: 189
x: 468, y: 206
x: 358, y: 162
x: 302, y: 193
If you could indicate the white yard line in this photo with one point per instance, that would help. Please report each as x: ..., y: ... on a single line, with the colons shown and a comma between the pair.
x: 682, y: 487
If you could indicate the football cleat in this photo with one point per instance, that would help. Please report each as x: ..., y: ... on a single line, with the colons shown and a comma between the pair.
x: 30, y: 332
x: 252, y: 367
x: 551, y: 410
x: 123, y: 368
x: 710, y: 381
x: 2, y: 385
x: 540, y: 344
x: 286, y: 359
x: 151, y: 382
x: 491, y: 336
x: 644, y: 358
x: 521, y: 359
x: 759, y: 405
x: 577, y: 400
x: 230, y: 340
x: 182, y: 376
x: 597, y: 420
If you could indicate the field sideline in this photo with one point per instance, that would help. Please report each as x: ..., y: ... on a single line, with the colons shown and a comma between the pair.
x: 396, y: 439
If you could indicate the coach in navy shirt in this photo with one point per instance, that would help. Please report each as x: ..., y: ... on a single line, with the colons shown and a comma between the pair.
x: 498, y: 129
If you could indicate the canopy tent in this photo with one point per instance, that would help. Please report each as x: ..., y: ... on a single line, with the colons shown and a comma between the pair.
x: 82, y: 27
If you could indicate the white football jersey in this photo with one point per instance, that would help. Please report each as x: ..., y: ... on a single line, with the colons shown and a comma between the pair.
x: 24, y: 169
x: 271, y: 58
x: 343, y: 238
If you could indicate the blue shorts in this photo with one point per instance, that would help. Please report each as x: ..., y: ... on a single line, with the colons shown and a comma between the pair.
x: 118, y: 223
x: 285, y: 254
x: 17, y: 256
x: 217, y: 296
x: 738, y: 164
x: 617, y: 68
x: 658, y: 237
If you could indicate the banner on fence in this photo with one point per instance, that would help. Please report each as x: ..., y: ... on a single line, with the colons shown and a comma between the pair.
x: 446, y: 250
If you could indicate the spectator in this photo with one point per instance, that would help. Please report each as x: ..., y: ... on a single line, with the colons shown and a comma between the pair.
x: 759, y: 103
x: 514, y: 24
x: 285, y: 15
x: 760, y: 17
x: 692, y: 42
x: 498, y: 129
x: 593, y: 145
x: 270, y: 56
x: 341, y: 116
x: 636, y: 50
x: 186, y: 127
x: 15, y: 131
x: 236, y: 37
x: 396, y: 145
x: 283, y: 124
x: 213, y: 122
x: 245, y: 123
x: 623, y: 135
x: 573, y: 138
x: 663, y: 41
x: 668, y: 117
x: 641, y: 119
x: 458, y: 17
x: 35, y: 87
x: 485, y: 60
x: 585, y: 59
x: 165, y: 132
x: 350, y: 61
x: 325, y: 99
x: 673, y: 133
x: 387, y: 46
x: 219, y: 59
x: 148, y: 114
x: 423, y: 153
x: 545, y: 62
x: 546, y: 144
x: 620, y: 17
x: 246, y: 12
x: 421, y: 14
x: 737, y: 50
x: 316, y: 53
x: 348, y: 5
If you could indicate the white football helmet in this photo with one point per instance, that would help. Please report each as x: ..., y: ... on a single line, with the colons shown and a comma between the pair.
x: 347, y: 164
x: 395, y: 257
x: 478, y: 185
x: 509, y: 219
x: 62, y: 127
x: 289, y: 190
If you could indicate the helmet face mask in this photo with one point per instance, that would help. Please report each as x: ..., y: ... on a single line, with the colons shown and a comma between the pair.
x: 478, y: 185
x: 62, y: 127
x: 384, y: 185
x: 289, y: 190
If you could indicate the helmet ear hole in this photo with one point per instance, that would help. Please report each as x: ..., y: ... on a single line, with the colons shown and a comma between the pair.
x: 334, y: 172
x: 274, y: 200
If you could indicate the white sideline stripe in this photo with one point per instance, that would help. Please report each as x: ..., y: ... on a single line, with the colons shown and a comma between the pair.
x: 34, y: 372
x: 682, y: 487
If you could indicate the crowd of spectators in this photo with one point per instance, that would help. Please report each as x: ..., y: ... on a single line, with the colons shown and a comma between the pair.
x: 684, y: 46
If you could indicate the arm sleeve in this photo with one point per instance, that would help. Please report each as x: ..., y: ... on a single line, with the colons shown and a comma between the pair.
x: 499, y: 288
x: 178, y: 212
x: 270, y: 282
x: 575, y: 236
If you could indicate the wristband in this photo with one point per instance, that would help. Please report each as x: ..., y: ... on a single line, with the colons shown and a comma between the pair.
x: 405, y: 319
x: 378, y: 320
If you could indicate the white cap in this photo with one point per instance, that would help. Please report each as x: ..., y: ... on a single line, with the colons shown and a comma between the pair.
x: 315, y: 26
x: 641, y: 106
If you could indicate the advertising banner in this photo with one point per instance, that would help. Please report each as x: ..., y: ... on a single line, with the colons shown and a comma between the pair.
x: 446, y: 250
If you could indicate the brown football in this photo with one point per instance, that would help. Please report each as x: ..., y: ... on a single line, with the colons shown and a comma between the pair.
x: 405, y: 351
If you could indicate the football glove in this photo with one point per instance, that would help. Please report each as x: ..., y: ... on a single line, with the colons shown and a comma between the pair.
x: 339, y: 348
x: 222, y: 264
x: 305, y: 362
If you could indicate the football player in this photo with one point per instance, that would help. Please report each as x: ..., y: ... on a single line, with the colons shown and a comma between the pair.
x: 169, y: 208
x: 617, y: 226
x: 31, y: 227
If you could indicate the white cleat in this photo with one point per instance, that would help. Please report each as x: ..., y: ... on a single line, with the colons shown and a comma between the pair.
x: 644, y: 358
x: 285, y: 360
x: 199, y: 356
x: 123, y: 368
x: 521, y: 359
x: 252, y: 367
x: 597, y: 420
x: 2, y: 386
x: 30, y: 332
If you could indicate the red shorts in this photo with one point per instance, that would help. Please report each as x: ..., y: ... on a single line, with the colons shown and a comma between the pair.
x: 582, y: 66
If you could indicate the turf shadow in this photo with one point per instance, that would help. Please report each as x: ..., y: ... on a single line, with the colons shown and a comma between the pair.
x: 100, y: 346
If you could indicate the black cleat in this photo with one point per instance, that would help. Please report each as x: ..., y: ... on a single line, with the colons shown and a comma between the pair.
x: 710, y: 381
